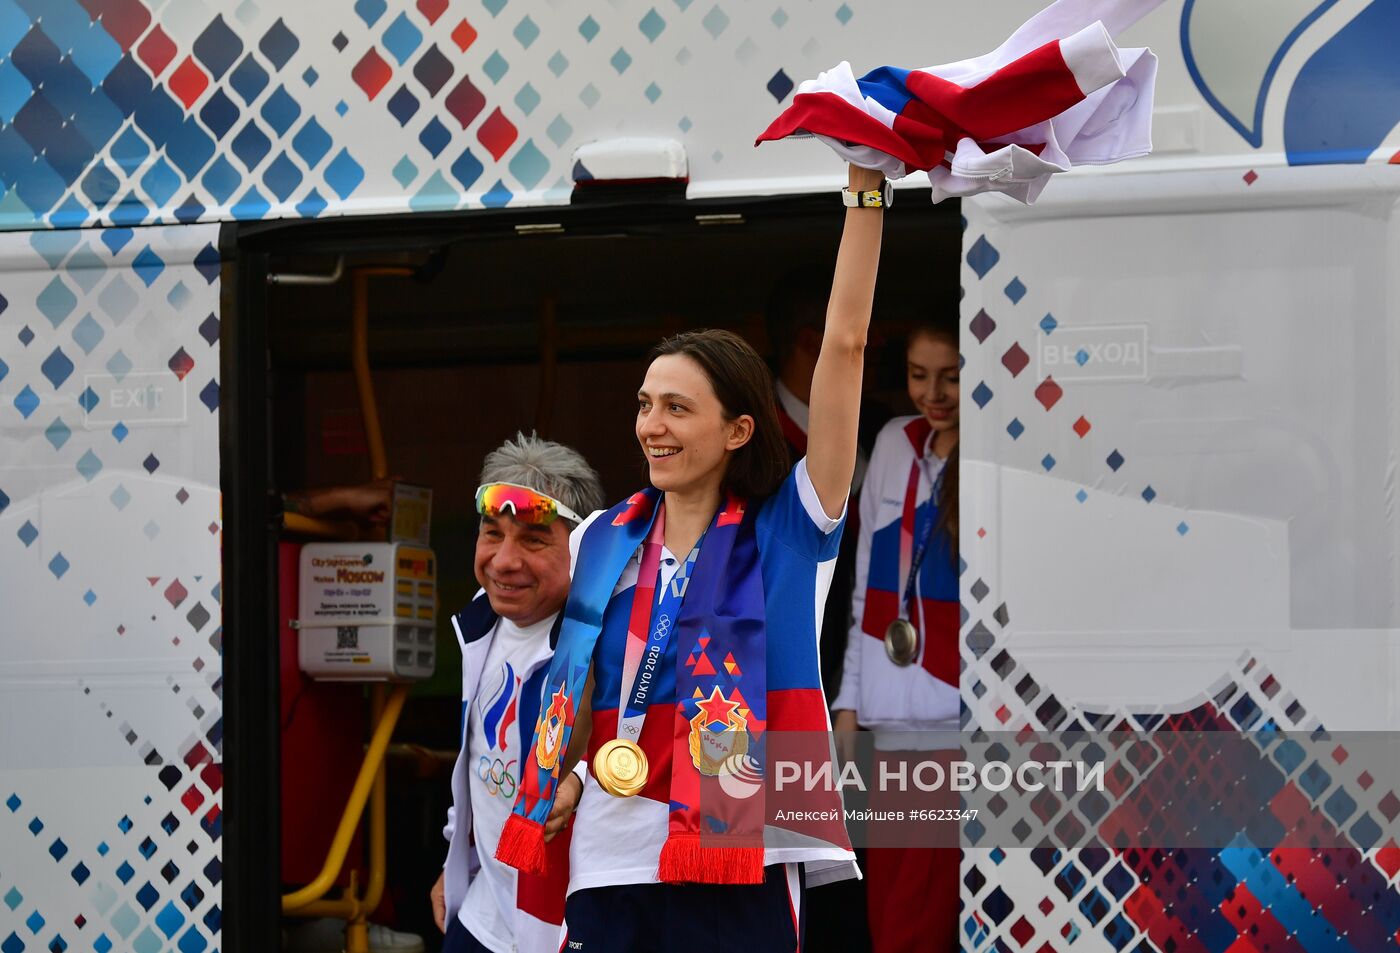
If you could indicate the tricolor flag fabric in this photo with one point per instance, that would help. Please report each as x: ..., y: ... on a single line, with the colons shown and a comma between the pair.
x: 1059, y: 92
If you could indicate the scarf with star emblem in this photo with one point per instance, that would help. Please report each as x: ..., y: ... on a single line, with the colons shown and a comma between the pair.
x: 719, y: 718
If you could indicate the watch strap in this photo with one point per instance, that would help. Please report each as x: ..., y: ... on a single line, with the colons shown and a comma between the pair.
x: 870, y: 198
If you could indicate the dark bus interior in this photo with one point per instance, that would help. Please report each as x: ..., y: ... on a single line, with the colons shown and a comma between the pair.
x: 507, y: 321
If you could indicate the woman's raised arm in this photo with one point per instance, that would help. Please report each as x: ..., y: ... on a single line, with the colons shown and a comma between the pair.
x: 836, y: 383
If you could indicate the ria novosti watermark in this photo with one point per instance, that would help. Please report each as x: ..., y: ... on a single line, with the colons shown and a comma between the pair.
x: 1167, y: 789
x: 931, y: 774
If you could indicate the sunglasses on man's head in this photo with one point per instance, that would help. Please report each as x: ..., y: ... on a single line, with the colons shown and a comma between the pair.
x: 522, y: 503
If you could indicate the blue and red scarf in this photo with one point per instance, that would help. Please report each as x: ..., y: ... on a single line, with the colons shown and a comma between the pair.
x: 721, y: 696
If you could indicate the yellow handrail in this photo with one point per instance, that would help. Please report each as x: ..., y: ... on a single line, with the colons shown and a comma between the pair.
x: 370, y: 776
x: 370, y: 783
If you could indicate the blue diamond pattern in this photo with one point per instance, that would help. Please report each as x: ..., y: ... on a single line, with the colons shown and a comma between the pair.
x: 87, y: 334
x: 1048, y: 462
x: 56, y: 301
x: 434, y: 137
x: 282, y: 177
x: 312, y: 143
x: 57, y: 367
x: 1114, y: 461
x: 278, y: 44
x: 119, y: 365
x: 467, y: 168
x: 403, y: 105
x: 982, y: 394
x: 344, y: 174
x: 527, y: 99
x: 58, y: 433
x: 148, y: 265
x: 1048, y: 323
x: 280, y: 111
x: 1149, y: 494
x: 588, y: 29
x: 715, y: 22
x: 370, y: 10
x: 495, y: 66
x: 58, y: 566
x: 526, y: 32
x: 1015, y: 291
x: 89, y: 466
x: 405, y: 172
x: 529, y: 165
x: 26, y: 402
x: 251, y: 145
x: 652, y: 25
x: 170, y: 920
x: 27, y: 534
x: 780, y: 85
x: 982, y: 257
x: 402, y: 38
x: 217, y: 47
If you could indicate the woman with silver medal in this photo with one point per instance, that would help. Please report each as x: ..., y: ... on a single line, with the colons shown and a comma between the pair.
x: 900, y: 678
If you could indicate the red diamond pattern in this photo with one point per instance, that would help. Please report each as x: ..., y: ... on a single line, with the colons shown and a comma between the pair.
x: 125, y: 20
x: 497, y: 134
x: 156, y: 51
x: 464, y: 35
x: 1388, y: 858
x: 1049, y: 393
x: 192, y: 799
x: 432, y: 9
x: 188, y: 82
x: 1015, y: 359
x: 1022, y: 931
x: 175, y: 594
x: 181, y: 363
x: 465, y: 102
x: 1081, y: 427
x: 371, y: 73
x: 1251, y: 177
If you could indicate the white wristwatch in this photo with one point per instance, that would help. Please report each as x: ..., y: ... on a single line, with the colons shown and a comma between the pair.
x: 883, y: 197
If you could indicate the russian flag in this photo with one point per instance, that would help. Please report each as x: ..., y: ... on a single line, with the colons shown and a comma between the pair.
x: 1059, y: 91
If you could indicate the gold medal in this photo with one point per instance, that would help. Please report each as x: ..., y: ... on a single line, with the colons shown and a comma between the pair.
x: 621, y: 768
x: 901, y: 642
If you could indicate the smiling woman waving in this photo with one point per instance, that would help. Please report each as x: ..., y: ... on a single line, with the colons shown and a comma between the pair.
x: 691, y: 633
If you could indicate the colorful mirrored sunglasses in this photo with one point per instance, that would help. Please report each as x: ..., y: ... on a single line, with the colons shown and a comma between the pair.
x: 522, y: 503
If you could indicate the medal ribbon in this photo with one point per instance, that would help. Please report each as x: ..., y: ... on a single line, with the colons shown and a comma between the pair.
x: 910, y: 558
x: 643, y: 656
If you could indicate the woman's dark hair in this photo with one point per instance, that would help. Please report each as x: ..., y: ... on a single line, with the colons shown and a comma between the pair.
x: 947, y: 332
x: 744, y: 385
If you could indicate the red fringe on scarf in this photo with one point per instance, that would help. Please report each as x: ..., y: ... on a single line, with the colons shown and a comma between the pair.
x: 522, y: 845
x: 688, y: 858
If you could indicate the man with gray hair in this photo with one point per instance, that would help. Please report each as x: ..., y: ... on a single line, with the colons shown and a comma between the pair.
x: 533, y: 493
